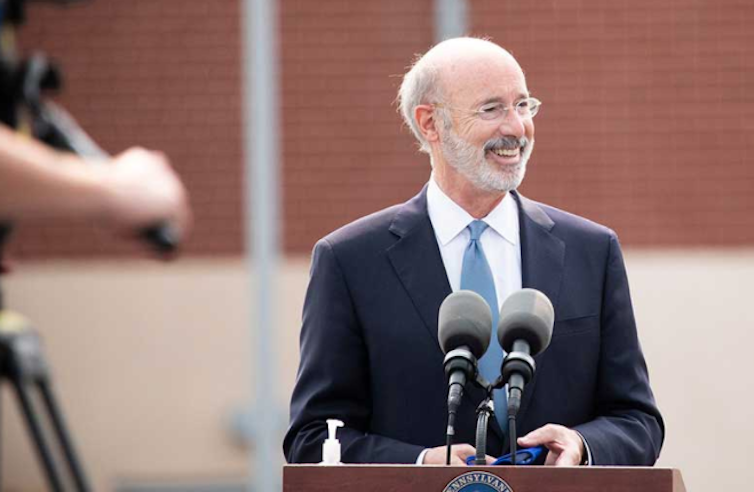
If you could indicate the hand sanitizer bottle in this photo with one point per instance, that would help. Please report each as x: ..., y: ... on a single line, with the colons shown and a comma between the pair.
x: 331, y: 446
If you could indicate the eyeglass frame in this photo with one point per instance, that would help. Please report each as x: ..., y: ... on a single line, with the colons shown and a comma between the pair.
x: 493, y: 105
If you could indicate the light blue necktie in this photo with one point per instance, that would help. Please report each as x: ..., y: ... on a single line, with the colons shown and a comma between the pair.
x: 476, y: 275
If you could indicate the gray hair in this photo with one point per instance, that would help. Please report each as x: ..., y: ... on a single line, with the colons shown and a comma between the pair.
x: 421, y: 85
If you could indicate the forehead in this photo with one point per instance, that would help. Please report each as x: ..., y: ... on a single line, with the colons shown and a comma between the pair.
x: 469, y: 81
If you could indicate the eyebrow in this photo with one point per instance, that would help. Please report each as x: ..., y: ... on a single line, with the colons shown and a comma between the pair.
x: 491, y: 100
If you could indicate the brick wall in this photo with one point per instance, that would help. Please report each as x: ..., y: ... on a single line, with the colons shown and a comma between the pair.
x: 164, y: 74
x: 346, y: 153
x: 644, y: 126
x: 647, y: 108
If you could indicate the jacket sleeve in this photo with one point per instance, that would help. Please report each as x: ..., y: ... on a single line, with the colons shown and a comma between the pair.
x: 628, y: 429
x: 333, y: 379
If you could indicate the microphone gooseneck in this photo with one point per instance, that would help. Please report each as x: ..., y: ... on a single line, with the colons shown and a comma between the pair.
x: 484, y: 412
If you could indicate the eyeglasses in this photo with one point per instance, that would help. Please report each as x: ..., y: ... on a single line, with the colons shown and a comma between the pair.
x: 525, y: 108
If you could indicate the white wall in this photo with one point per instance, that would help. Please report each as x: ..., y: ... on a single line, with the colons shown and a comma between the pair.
x: 151, y: 360
x: 697, y: 329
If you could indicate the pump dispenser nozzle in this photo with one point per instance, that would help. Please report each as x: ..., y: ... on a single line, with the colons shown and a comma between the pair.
x: 331, y: 446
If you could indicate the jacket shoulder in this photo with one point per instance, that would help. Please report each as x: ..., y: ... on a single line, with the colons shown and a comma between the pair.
x: 567, y: 223
x: 365, y: 232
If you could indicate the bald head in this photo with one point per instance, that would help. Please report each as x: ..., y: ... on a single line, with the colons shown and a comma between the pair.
x: 456, y: 54
x: 445, y: 71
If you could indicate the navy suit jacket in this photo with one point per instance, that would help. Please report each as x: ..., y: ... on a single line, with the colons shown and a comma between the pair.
x: 371, y: 358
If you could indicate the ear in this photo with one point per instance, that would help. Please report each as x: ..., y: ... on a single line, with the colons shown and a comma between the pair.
x: 425, y: 118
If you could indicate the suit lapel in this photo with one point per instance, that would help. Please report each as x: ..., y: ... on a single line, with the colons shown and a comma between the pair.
x: 417, y: 261
x: 542, y: 262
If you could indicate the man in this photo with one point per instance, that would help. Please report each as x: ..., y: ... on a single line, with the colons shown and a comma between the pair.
x: 369, y: 350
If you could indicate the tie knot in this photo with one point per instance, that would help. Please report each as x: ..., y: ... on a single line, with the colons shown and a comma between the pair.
x: 477, y: 228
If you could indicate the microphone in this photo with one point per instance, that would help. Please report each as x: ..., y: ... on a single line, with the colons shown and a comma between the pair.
x: 464, y: 330
x: 524, y: 330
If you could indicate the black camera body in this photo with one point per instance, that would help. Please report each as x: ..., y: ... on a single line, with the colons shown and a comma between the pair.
x: 14, y: 11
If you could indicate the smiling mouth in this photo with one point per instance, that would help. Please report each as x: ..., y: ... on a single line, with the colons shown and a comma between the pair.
x: 505, y: 152
x: 506, y: 149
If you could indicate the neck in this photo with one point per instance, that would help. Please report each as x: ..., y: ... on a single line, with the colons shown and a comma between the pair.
x: 478, y: 203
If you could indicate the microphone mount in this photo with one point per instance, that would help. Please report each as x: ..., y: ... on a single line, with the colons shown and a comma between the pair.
x: 484, y: 411
x: 457, y: 363
x: 517, y: 371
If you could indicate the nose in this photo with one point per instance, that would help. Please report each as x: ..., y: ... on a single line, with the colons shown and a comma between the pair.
x: 512, y: 124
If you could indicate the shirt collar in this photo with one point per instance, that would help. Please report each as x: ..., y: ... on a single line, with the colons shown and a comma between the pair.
x: 449, y: 219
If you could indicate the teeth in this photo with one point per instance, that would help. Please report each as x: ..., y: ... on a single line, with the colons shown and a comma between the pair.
x: 506, y: 152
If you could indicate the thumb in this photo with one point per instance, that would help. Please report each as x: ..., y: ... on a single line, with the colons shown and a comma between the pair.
x: 531, y: 439
x: 543, y: 435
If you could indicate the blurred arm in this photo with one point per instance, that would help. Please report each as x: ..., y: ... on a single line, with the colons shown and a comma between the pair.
x: 135, y: 189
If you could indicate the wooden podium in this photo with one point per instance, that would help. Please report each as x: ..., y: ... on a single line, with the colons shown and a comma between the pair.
x: 411, y: 478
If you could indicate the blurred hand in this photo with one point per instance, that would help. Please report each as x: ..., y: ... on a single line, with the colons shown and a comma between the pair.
x: 143, y: 190
x: 458, y: 455
x: 566, y: 448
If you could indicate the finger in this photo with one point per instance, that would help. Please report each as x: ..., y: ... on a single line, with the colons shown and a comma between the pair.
x: 567, y: 458
x: 457, y: 460
x: 462, y: 452
x: 570, y: 455
x: 542, y: 435
x: 551, y: 459
x: 465, y: 448
x: 435, y: 456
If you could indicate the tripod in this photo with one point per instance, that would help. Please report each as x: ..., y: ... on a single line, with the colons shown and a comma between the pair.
x: 22, y: 363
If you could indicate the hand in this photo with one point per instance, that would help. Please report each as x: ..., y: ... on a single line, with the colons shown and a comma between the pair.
x: 134, y: 190
x: 458, y: 455
x: 144, y: 191
x: 566, y: 448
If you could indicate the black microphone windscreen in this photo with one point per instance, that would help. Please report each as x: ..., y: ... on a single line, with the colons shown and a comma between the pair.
x: 465, y: 319
x: 526, y: 315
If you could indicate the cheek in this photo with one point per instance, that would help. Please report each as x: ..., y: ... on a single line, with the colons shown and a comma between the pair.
x: 467, y: 130
x: 479, y: 135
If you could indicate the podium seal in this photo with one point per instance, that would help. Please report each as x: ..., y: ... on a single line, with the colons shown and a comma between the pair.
x: 477, y: 482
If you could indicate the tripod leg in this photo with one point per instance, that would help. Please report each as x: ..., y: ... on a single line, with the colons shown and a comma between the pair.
x: 35, y: 429
x: 1, y: 435
x: 63, y: 436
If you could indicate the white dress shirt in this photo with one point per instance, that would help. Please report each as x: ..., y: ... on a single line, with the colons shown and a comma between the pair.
x: 501, y: 243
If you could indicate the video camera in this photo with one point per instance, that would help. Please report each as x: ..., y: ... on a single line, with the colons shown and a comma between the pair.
x: 24, y: 83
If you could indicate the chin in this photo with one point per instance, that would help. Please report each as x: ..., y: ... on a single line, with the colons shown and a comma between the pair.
x: 510, y: 178
x: 492, y: 178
